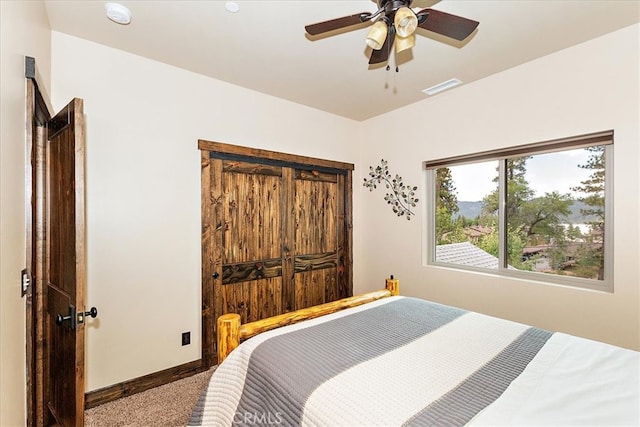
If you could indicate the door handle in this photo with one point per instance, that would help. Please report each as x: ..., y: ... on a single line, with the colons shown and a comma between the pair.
x: 75, y: 319
x: 93, y: 312
x: 71, y: 318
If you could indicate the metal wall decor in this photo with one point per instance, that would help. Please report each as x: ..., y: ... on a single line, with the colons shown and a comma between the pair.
x: 401, y: 197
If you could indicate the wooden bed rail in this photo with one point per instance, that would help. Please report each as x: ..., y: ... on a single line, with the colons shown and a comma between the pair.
x: 231, y: 332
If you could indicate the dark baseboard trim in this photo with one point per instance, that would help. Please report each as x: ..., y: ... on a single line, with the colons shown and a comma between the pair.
x: 137, y: 385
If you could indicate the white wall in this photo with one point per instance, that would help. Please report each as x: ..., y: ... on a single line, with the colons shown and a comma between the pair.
x: 24, y: 30
x: 143, y: 120
x: 590, y: 87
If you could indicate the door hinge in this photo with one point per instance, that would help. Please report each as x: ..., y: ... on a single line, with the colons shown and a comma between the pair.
x: 24, y: 282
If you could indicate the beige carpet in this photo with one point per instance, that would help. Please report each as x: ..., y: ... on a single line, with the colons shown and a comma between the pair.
x: 167, y: 405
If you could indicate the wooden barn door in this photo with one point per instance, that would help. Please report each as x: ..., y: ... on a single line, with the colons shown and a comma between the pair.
x: 276, y: 234
x: 320, y: 248
x: 250, y: 248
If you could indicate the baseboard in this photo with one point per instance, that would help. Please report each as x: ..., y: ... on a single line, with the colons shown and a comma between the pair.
x: 137, y: 385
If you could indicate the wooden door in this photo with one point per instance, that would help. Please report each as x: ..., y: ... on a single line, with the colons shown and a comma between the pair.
x: 250, y: 264
x: 320, y: 244
x: 276, y: 234
x: 64, y: 267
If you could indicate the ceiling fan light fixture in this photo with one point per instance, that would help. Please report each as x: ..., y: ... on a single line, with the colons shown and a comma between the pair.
x: 405, y: 22
x: 377, y: 35
x: 442, y: 86
x: 394, y: 21
x: 404, y: 43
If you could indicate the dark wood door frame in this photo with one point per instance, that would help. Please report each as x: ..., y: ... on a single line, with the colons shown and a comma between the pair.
x: 37, y: 114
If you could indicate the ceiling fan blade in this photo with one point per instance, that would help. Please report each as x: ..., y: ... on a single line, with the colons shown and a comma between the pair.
x: 336, y: 24
x: 446, y: 24
x: 382, y: 54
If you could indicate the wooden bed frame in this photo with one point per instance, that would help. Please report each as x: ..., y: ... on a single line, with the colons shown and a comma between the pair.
x: 231, y: 332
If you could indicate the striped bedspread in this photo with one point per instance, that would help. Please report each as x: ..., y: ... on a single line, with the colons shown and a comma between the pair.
x: 403, y: 361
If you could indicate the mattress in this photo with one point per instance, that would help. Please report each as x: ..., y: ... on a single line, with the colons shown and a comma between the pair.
x: 407, y: 361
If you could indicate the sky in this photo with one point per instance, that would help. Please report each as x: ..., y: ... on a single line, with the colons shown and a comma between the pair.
x: 545, y: 173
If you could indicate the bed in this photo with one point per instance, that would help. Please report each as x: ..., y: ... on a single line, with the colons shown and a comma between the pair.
x: 385, y: 359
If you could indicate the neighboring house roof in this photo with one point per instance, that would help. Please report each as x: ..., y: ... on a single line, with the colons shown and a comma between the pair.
x: 531, y: 250
x: 569, y: 249
x: 476, y: 231
x: 465, y: 254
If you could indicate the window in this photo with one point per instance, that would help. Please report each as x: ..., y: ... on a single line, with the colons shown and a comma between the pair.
x: 539, y: 211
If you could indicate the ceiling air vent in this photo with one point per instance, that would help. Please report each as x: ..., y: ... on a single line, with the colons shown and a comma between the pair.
x: 442, y: 86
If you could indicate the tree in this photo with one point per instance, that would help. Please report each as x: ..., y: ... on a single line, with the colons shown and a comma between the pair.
x: 446, y: 196
x: 593, y: 187
x: 490, y: 243
x: 541, y: 216
x: 530, y: 220
x: 447, y: 229
x: 517, y: 188
x: 590, y: 263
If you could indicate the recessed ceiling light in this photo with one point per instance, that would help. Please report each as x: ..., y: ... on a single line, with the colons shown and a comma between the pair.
x: 118, y: 13
x: 442, y: 86
x: 232, y: 6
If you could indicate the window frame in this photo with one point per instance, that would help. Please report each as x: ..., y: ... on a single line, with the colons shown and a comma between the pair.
x: 604, y: 138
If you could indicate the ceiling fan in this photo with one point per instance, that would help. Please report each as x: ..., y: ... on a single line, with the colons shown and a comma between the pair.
x: 395, y: 22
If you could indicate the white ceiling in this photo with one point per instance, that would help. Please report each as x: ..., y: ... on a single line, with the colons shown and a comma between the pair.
x: 264, y: 46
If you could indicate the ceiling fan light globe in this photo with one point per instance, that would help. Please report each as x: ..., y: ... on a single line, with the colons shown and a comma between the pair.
x: 377, y: 35
x: 405, y: 22
x: 404, y: 43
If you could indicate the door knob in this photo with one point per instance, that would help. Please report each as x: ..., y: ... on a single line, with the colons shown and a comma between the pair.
x: 71, y: 318
x: 93, y: 312
x: 60, y: 319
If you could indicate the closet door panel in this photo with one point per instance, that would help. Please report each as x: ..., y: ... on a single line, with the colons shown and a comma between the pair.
x: 318, y: 214
x: 250, y: 246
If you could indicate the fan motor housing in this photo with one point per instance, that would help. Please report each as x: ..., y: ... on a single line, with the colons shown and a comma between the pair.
x: 391, y: 6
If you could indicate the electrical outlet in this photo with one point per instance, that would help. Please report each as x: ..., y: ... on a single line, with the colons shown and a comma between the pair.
x: 186, y: 338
